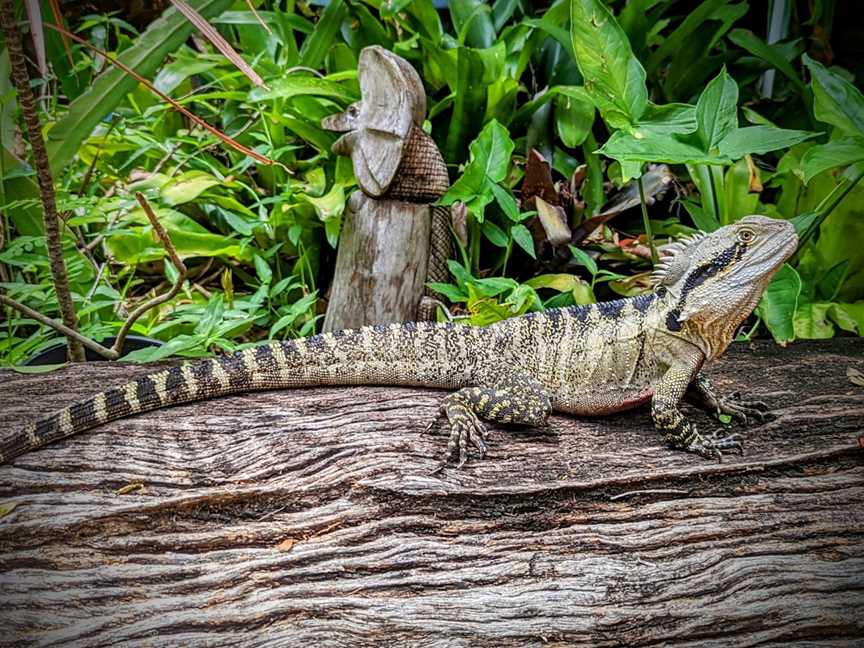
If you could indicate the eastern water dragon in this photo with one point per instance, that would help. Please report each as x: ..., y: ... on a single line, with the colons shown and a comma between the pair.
x: 581, y: 360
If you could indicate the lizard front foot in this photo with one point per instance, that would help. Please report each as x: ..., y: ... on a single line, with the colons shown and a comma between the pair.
x: 714, y: 446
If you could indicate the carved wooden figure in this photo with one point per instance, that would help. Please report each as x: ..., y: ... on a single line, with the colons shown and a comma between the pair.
x: 384, y: 247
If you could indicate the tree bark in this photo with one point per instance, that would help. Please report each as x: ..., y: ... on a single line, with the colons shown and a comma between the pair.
x: 311, y: 518
x: 381, y: 263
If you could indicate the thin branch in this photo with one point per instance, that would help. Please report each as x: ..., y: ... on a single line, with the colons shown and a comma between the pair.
x: 50, y: 218
x: 195, y: 118
x: 59, y: 326
x: 163, y: 237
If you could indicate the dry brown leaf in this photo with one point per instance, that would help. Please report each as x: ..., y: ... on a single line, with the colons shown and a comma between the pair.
x: 257, y: 17
x: 855, y: 376
x: 213, y: 35
x: 286, y: 545
x: 7, y: 507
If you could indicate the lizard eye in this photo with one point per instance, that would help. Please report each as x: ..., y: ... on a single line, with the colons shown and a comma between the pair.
x: 746, y: 235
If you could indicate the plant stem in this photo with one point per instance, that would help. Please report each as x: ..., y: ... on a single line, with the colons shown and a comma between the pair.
x: 50, y: 218
x: 474, y: 235
x: 647, y: 222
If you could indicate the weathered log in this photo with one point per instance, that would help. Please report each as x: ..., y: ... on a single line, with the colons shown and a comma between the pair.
x: 311, y: 518
x: 381, y: 263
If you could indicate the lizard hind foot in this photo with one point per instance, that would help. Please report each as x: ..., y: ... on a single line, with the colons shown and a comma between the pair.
x: 466, y: 430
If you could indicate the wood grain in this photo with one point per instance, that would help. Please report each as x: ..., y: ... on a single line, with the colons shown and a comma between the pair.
x: 310, y: 518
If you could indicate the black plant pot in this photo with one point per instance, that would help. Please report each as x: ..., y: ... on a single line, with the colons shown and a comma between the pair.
x: 57, y: 353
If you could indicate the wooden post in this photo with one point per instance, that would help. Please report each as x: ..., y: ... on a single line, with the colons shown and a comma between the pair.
x: 381, y: 263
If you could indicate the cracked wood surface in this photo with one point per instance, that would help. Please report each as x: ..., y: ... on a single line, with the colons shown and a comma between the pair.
x: 310, y: 518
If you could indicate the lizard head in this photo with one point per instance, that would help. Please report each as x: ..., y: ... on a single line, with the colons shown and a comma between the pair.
x: 715, y: 280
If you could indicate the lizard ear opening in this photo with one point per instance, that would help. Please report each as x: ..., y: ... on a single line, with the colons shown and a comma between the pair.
x: 673, y: 264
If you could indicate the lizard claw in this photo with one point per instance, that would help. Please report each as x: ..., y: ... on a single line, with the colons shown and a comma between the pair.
x: 714, y: 446
x: 465, y: 430
x: 745, y: 411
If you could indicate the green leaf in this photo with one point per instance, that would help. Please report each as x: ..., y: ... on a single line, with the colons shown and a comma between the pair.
x: 811, y: 321
x: 523, y: 239
x: 779, y: 302
x: 450, y: 291
x: 506, y: 201
x: 835, y: 100
x: 187, y: 186
x: 319, y: 42
x: 163, y: 36
x: 262, y: 269
x: 495, y: 234
x: 574, y: 116
x: 295, y: 85
x: 614, y: 78
x: 667, y: 119
x: 836, y: 153
x: 747, y: 40
x: 717, y: 110
x: 475, y: 70
x: 760, y: 139
x: 656, y: 148
x: 581, y: 257
x: 490, y: 157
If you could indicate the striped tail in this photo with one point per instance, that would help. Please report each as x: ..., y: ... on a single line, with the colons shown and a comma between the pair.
x: 263, y: 367
x: 380, y: 355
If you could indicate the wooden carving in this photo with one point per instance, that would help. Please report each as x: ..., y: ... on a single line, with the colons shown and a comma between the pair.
x: 400, y: 172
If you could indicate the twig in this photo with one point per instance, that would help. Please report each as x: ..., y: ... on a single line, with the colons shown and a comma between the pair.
x: 163, y: 237
x: 647, y: 222
x: 58, y: 326
x: 50, y: 218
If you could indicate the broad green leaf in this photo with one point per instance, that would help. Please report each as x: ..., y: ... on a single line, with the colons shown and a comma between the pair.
x: 778, y: 304
x: 494, y: 286
x: 584, y: 259
x: 561, y: 282
x: 771, y: 54
x: 811, y: 321
x: 836, y: 153
x: 330, y: 205
x: 574, y: 116
x: 490, y: 157
x: 163, y: 36
x: 656, y: 148
x: 294, y: 85
x: 667, y: 119
x: 187, y: 186
x: 451, y: 292
x: 522, y: 236
x: 613, y: 75
x: 760, y: 139
x: 849, y: 317
x: 717, y: 110
x: 692, y: 21
x: 739, y: 200
x: 475, y: 71
x: 495, y: 234
x: 473, y: 22
x: 835, y: 100
x: 136, y: 243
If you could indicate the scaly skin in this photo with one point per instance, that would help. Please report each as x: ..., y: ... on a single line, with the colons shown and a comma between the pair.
x: 584, y: 360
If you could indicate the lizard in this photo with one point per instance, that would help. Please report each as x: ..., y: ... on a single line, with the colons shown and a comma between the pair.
x: 581, y: 360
